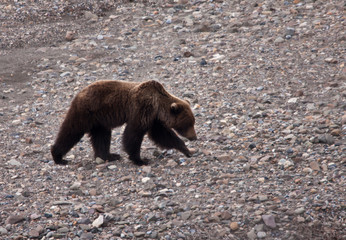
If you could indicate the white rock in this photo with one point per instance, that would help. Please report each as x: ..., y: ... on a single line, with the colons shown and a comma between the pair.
x: 145, y: 179
x: 309, y: 6
x: 3, y: 231
x: 292, y: 100
x: 279, y: 40
x: 111, y: 167
x: 98, y: 221
x: 217, y: 57
x: 299, y: 210
x: 16, y: 122
x: 261, y: 234
x: 75, y: 185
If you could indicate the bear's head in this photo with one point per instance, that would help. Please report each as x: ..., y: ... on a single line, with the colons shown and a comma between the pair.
x: 183, y: 119
x: 173, y: 112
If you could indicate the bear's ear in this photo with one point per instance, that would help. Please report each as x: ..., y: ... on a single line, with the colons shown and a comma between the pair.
x: 175, y: 108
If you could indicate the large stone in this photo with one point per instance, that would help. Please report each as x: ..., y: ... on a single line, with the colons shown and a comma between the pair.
x: 3, y: 231
x: 326, y: 138
x: 13, y: 219
x: 269, y: 220
x: 98, y: 221
x: 75, y: 186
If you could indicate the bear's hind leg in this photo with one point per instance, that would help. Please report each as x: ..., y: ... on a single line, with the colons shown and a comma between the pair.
x: 101, y: 139
x: 166, y: 138
x: 132, y: 141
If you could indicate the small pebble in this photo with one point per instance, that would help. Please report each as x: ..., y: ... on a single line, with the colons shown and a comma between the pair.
x: 234, y: 226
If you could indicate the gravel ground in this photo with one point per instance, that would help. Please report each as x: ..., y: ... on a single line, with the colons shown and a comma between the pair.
x: 266, y: 80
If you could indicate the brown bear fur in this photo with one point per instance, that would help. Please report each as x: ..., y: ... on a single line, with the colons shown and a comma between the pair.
x: 145, y: 107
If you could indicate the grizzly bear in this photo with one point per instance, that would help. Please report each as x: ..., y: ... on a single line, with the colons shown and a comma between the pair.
x: 146, y: 108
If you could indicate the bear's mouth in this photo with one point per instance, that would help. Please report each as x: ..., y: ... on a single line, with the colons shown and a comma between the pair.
x: 192, y: 138
x: 189, y: 134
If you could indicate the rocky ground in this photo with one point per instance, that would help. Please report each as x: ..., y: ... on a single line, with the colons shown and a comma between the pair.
x: 266, y: 81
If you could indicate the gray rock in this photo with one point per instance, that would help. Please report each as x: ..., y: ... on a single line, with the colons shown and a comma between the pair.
x: 63, y: 230
x: 3, y: 231
x: 146, y: 169
x: 152, y: 217
x: 188, y: 94
x: 14, y: 162
x: 154, y: 234
x: 139, y: 234
x: 90, y: 16
x: 251, y: 235
x: 62, y: 203
x: 262, y: 198
x: 326, y: 138
x: 99, y: 160
x: 171, y: 163
x: 279, y: 40
x: 299, y: 210
x: 13, y: 219
x: 58, y: 235
x: 185, y: 215
x: 84, y: 221
x: 261, y: 234
x: 34, y: 233
x: 226, y: 215
x: 86, y: 236
x: 290, y: 32
x: 259, y: 227
x: 269, y: 220
x: 205, y: 27
x: 315, y: 166
x: 65, y: 74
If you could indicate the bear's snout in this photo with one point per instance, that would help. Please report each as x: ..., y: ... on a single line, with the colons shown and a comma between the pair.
x: 191, y: 134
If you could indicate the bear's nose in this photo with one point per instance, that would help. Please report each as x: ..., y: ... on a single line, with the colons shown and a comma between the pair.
x: 192, y: 138
x: 192, y: 135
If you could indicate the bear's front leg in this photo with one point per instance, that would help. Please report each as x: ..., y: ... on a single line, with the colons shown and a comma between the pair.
x: 132, y: 141
x: 66, y: 139
x: 167, y: 139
